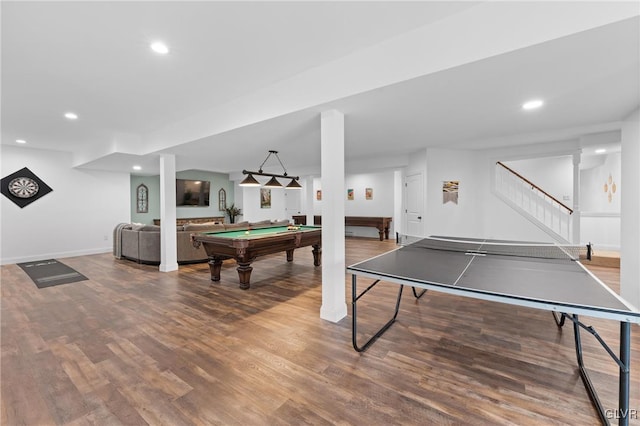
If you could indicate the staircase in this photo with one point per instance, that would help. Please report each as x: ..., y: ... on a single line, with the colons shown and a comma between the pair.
x: 533, y: 203
x: 545, y: 211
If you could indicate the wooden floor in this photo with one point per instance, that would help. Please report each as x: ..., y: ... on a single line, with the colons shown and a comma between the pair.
x: 134, y: 346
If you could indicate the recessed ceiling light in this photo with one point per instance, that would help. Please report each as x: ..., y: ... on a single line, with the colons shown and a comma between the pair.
x: 71, y: 115
x: 20, y: 141
x: 601, y: 151
x: 159, y: 47
x: 533, y: 104
x: 137, y: 168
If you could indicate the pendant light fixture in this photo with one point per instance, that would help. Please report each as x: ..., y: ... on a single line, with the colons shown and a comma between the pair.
x: 250, y: 180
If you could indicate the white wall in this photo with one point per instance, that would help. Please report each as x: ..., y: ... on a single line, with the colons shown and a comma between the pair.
x: 600, y: 217
x: 450, y: 219
x: 252, y: 211
x: 602, y: 230
x: 630, y: 210
x: 382, y: 184
x: 381, y: 203
x: 76, y: 218
x: 479, y: 213
x: 553, y: 174
x: 593, y: 198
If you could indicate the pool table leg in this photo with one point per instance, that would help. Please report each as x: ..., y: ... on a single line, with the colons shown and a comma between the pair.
x: 244, y: 274
x: 317, y: 254
x: 215, y: 265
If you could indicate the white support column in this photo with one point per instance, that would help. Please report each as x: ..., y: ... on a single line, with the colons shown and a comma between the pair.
x: 307, y: 202
x: 575, y: 234
x: 168, y: 237
x: 334, y: 305
x: 630, y: 210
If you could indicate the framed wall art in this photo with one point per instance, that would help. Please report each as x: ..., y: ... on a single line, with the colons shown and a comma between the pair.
x: 222, y: 200
x: 450, y: 191
x: 265, y: 198
x: 350, y: 194
x: 368, y: 193
x: 142, y: 199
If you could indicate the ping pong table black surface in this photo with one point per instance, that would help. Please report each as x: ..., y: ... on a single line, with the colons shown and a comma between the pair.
x: 537, y: 275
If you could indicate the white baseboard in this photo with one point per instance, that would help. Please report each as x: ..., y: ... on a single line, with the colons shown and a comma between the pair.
x: 59, y: 255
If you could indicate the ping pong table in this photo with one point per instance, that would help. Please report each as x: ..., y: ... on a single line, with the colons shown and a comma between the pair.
x: 544, y: 276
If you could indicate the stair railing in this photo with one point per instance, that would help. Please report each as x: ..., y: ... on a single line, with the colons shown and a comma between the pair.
x: 541, y: 206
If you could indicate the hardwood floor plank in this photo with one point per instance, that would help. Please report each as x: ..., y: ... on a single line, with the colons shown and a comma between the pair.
x: 22, y: 398
x: 84, y: 374
x: 64, y: 401
x: 134, y: 346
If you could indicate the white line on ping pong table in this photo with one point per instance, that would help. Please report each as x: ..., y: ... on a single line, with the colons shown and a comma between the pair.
x: 473, y: 254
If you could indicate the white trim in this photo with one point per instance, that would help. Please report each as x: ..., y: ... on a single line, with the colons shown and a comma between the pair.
x: 58, y: 255
x: 599, y: 214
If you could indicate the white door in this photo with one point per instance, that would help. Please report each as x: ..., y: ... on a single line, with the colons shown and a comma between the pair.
x: 292, y: 202
x: 414, y: 203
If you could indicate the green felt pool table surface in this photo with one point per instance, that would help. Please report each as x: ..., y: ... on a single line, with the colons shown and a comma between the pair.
x: 260, y: 232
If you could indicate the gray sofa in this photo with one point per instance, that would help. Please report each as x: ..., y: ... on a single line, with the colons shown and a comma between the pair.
x: 141, y: 243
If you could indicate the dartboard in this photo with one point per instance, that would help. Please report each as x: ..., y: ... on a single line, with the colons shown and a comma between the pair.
x: 23, y: 187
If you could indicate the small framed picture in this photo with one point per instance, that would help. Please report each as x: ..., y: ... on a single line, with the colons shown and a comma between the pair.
x: 350, y: 194
x: 265, y: 198
x: 222, y: 199
x: 319, y: 194
x: 368, y: 193
x: 450, y: 191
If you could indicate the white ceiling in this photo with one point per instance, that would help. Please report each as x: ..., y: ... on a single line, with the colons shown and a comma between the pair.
x: 93, y: 58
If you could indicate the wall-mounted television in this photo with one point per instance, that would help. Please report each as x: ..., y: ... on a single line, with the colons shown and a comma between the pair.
x: 194, y: 193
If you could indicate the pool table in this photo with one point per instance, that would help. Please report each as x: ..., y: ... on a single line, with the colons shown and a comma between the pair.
x: 245, y: 245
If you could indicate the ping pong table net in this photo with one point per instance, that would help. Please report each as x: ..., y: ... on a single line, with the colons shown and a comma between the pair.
x: 479, y: 247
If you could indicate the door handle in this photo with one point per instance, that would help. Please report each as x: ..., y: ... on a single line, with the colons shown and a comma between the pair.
x: 420, y: 217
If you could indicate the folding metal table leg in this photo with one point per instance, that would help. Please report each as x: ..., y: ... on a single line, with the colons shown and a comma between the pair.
x: 415, y: 293
x: 354, y: 315
x: 624, y: 364
x: 625, y: 367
